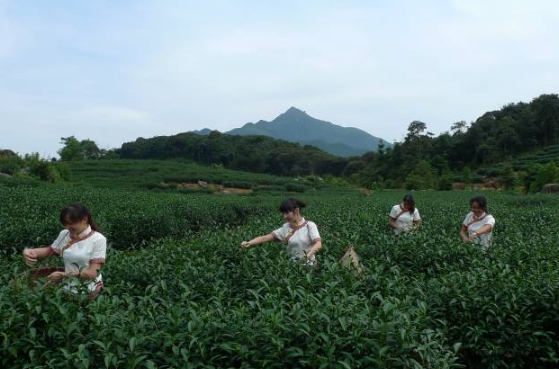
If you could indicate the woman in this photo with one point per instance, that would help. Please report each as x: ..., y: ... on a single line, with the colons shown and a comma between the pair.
x: 404, y: 217
x: 478, y: 225
x: 81, y: 246
x: 300, y: 236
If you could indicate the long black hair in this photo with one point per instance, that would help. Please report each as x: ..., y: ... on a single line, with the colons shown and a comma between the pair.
x: 408, y: 199
x: 481, y: 201
x: 291, y: 204
x: 76, y: 212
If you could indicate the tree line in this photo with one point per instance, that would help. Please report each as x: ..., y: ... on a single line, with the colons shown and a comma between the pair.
x: 421, y: 161
x: 424, y: 160
x: 259, y: 154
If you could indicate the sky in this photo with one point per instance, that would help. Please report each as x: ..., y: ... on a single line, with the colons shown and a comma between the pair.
x: 112, y: 71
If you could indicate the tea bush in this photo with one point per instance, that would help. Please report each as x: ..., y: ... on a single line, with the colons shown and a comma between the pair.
x: 152, y: 173
x: 191, y: 298
x: 29, y: 213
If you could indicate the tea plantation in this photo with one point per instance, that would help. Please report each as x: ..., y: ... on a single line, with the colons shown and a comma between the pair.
x: 166, y: 174
x: 181, y: 293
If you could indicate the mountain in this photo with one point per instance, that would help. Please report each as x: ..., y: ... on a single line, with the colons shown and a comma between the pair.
x: 297, y: 126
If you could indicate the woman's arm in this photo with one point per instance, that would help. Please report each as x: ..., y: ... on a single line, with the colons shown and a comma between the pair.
x: 315, y: 248
x: 90, y: 273
x: 393, y: 223
x: 258, y: 240
x: 30, y: 256
x: 464, y: 233
x: 485, y: 229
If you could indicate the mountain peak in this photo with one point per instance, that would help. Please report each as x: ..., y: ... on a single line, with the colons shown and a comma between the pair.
x: 295, y: 125
x: 294, y: 111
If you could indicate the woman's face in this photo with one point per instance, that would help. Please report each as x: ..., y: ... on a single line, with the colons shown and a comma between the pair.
x: 78, y: 227
x: 291, y: 216
x: 476, y: 208
x: 407, y: 205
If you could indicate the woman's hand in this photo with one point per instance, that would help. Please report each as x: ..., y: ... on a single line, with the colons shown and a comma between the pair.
x: 257, y: 241
x: 56, y: 277
x: 473, y: 236
x: 316, y: 248
x: 465, y: 239
x: 30, y: 257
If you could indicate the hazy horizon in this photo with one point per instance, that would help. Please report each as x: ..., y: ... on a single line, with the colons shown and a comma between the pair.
x: 115, y: 71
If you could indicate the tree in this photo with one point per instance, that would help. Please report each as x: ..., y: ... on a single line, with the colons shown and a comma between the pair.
x: 445, y: 181
x: 507, y: 137
x: 546, y: 118
x: 486, y: 153
x: 71, y: 149
x: 548, y: 173
x: 78, y: 150
x: 467, y: 176
x: 440, y: 164
x: 507, y: 178
x: 458, y: 127
x: 529, y: 177
x: 415, y: 130
x: 354, y: 167
x: 10, y: 164
x: 89, y: 149
x: 381, y: 148
x: 422, y: 178
x: 44, y: 169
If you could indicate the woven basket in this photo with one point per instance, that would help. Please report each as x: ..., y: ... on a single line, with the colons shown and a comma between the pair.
x: 37, y: 274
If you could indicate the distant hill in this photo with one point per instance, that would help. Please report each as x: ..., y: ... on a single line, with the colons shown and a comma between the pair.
x: 297, y: 126
x: 259, y: 154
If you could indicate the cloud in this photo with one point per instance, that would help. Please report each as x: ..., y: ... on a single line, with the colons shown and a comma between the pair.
x: 113, y: 71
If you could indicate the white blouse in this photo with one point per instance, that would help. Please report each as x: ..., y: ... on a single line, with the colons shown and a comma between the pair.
x: 78, y: 253
x: 299, y: 239
x: 404, y: 219
x: 473, y: 224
